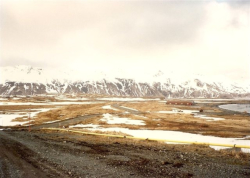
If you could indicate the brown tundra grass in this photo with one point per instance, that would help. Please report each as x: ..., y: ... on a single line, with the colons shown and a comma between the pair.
x: 234, y: 125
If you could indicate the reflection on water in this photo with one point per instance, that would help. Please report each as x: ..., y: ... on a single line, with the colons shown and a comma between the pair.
x: 237, y: 107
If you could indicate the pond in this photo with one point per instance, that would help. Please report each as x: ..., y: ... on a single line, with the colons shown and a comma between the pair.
x: 236, y: 107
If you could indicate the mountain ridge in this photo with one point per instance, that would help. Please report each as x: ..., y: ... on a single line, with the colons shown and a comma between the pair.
x: 27, y: 80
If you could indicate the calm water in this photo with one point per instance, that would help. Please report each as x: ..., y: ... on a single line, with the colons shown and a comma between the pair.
x: 237, y: 107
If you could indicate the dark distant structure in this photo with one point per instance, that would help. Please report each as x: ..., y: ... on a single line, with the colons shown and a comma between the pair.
x: 180, y: 102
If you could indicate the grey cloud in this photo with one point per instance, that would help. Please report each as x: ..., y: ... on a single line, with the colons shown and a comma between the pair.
x: 111, y: 33
x: 128, y: 24
x: 237, y: 7
x: 45, y: 22
x: 238, y: 4
x: 154, y: 24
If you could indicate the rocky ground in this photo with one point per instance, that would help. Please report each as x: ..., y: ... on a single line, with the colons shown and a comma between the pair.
x: 53, y: 154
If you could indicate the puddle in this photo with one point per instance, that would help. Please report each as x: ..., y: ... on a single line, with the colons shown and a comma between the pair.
x: 236, y: 107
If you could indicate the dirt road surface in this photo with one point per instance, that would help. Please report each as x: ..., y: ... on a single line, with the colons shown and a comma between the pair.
x: 61, y: 154
x: 62, y: 123
x: 16, y: 160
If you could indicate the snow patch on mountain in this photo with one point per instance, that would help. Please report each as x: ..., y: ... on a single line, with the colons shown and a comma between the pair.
x: 27, y: 80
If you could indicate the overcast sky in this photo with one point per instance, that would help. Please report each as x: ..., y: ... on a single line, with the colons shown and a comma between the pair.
x: 209, y: 38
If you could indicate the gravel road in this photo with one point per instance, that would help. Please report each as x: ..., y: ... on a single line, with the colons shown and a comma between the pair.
x: 65, y: 122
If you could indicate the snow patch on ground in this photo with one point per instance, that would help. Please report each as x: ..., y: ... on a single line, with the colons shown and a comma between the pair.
x: 178, y: 136
x: 68, y: 103
x: 126, y: 99
x: 6, y: 119
x: 72, y: 99
x: 3, y: 98
x: 195, y: 112
x: 209, y: 118
x: 109, y: 107
x: 128, y: 108
x: 175, y: 111
x: 208, y: 101
x: 47, y: 103
x: 111, y: 119
x: 33, y: 114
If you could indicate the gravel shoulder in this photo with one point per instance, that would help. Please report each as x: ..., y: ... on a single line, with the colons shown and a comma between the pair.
x: 53, y: 154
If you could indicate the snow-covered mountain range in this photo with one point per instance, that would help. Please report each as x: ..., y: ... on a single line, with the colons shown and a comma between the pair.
x: 27, y: 80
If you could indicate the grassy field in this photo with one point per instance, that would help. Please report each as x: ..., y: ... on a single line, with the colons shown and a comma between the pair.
x: 233, y: 125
